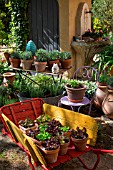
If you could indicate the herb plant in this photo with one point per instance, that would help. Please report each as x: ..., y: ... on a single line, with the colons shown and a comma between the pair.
x: 41, y: 55
x: 73, y: 83
x: 79, y: 133
x: 42, y: 136
x: 65, y: 55
x: 110, y: 81
x: 51, y: 144
x: 15, y: 55
x: 63, y: 139
x: 42, y: 119
x: 103, y: 78
x: 53, y: 55
x: 104, y: 59
x: 26, y: 55
x: 64, y: 128
x: 26, y: 123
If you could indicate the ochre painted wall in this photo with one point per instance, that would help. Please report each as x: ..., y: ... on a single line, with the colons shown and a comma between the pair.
x: 67, y: 24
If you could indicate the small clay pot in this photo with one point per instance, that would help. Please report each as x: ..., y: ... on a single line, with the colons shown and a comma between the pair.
x: 80, y: 144
x: 9, y: 77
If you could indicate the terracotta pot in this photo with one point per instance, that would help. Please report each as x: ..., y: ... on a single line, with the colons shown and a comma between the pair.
x: 50, y: 63
x: 107, y: 104
x: 39, y: 143
x: 7, y: 56
x: 100, y: 94
x: 65, y: 64
x: 64, y: 148
x: 27, y: 64
x: 68, y: 134
x: 15, y: 63
x: 50, y: 155
x: 75, y: 94
x: 26, y: 130
x: 111, y: 71
x: 98, y: 39
x: 40, y: 66
x: 9, y: 76
x: 80, y: 144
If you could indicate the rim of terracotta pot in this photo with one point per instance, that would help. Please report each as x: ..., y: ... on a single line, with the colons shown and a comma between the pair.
x: 71, y: 88
x: 7, y: 74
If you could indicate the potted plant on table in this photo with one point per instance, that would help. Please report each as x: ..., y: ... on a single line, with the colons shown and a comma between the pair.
x: 26, y: 60
x: 79, y: 137
x: 40, y: 60
x: 65, y: 59
x: 53, y: 58
x: 75, y: 90
x: 7, y: 54
x: 15, y: 59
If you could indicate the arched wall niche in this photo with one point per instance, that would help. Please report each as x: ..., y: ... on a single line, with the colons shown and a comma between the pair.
x: 83, y: 19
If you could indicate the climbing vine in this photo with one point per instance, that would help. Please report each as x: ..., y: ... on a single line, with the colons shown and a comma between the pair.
x: 19, y: 25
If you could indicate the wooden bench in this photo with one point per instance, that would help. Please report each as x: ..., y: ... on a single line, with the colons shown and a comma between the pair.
x: 11, y: 114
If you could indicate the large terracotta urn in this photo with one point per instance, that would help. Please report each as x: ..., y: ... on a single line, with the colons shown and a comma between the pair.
x: 100, y: 94
x: 107, y: 104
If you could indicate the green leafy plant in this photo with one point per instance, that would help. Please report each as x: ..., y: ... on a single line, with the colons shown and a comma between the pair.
x: 19, y: 24
x: 42, y: 136
x: 20, y: 84
x: 102, y: 12
x: 41, y: 55
x: 26, y: 123
x: 26, y: 55
x: 90, y: 88
x: 110, y: 81
x: 103, y: 78
x: 73, y: 83
x: 64, y: 128
x: 63, y: 139
x: 6, y: 95
x: 42, y: 119
x: 103, y: 60
x: 15, y: 55
x: 45, y: 87
x: 42, y: 127
x: 53, y: 55
x: 4, y: 67
x: 65, y: 55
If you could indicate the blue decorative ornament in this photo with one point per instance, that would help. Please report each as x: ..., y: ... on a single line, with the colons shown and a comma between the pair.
x: 31, y: 47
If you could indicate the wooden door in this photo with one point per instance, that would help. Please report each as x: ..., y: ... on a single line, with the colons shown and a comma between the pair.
x: 44, y: 23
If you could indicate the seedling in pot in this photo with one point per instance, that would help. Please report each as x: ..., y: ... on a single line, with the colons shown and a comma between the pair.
x: 79, y: 133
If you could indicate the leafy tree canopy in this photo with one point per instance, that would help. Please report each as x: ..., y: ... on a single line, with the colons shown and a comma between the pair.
x: 103, y: 12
